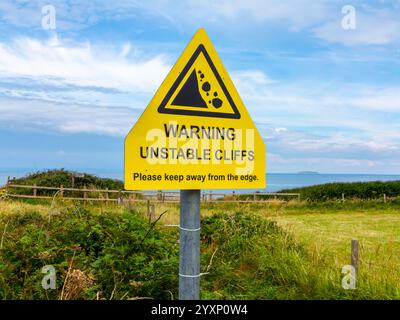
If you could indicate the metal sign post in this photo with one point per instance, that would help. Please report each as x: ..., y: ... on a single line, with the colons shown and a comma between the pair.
x: 189, y: 245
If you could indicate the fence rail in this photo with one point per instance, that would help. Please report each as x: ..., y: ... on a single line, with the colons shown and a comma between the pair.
x: 140, y: 196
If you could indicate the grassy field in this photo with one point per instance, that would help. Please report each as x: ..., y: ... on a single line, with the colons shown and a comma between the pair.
x: 325, y: 230
x: 327, y: 234
x: 276, y: 250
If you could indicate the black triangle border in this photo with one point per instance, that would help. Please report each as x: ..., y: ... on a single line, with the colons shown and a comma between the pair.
x: 162, y: 109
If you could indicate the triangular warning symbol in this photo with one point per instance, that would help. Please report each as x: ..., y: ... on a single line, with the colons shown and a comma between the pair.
x: 199, y: 90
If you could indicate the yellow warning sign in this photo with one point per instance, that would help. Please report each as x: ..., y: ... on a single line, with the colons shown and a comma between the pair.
x: 196, y: 132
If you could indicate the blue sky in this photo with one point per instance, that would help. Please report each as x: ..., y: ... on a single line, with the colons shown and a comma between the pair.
x: 324, y: 98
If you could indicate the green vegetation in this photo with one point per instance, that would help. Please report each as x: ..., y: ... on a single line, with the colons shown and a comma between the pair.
x: 268, y: 251
x: 110, y: 253
x: 357, y: 190
x: 254, y: 259
x: 56, y: 178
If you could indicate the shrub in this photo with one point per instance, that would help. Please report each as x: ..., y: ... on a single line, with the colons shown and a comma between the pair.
x: 109, y: 252
x: 56, y: 178
x: 357, y: 190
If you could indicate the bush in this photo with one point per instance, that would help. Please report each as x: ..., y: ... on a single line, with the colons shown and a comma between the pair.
x: 107, y: 255
x: 56, y: 178
x: 357, y: 190
x: 253, y: 259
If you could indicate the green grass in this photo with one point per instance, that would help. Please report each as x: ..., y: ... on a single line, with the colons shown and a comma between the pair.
x: 327, y: 236
x: 252, y: 251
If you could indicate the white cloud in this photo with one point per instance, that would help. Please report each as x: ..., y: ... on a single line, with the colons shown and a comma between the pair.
x: 81, y: 65
x: 126, y: 48
x: 379, y: 99
x: 338, y: 164
x: 299, y: 13
x: 340, y: 121
x: 69, y: 13
x: 249, y: 81
x: 356, y: 106
x: 340, y: 148
x: 68, y: 118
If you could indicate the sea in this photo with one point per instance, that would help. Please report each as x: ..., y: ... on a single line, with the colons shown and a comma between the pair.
x: 275, y: 181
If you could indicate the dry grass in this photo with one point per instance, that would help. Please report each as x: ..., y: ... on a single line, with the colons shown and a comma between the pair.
x: 11, y: 207
x: 76, y: 283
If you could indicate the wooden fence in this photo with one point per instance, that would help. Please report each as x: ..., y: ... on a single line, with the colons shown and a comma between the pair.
x: 142, y: 196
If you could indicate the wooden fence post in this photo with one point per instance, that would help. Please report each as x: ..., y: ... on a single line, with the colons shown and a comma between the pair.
x: 133, y: 198
x: 342, y: 197
x: 152, y: 213
x: 107, y: 196
x: 130, y: 201
x: 34, y: 190
x: 384, y: 197
x: 8, y: 182
x: 61, y: 191
x: 120, y: 197
x: 354, y: 254
x: 148, y: 211
x: 85, y: 195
